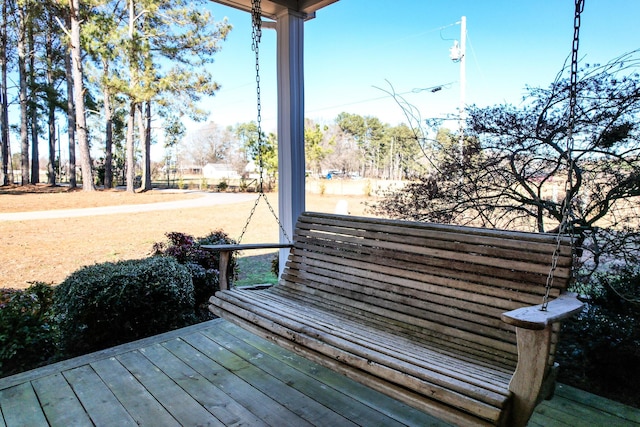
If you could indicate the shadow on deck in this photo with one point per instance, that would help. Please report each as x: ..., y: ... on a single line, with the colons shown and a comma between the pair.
x: 215, y: 373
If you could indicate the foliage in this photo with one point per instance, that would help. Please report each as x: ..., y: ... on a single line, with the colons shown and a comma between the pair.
x: 275, y: 264
x: 315, y: 147
x: 332, y: 147
x: 269, y: 150
x: 178, y: 33
x: 182, y: 185
x: 371, y: 137
x: 600, y: 348
x: 27, y: 328
x: 405, y: 149
x: 514, y: 166
x: 243, y: 184
x: 202, y: 265
x: 433, y: 197
x: 204, y: 183
x: 106, y: 304
x: 211, y: 143
x: 382, y: 150
x: 261, y: 149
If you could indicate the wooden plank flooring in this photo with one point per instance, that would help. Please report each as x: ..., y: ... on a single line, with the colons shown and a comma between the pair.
x: 218, y: 374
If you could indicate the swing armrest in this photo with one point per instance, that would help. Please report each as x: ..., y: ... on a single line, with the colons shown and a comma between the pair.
x: 564, y: 306
x: 225, y: 256
x: 243, y: 246
x: 534, y: 335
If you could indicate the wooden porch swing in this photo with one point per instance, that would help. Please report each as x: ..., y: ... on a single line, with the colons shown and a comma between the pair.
x: 441, y: 317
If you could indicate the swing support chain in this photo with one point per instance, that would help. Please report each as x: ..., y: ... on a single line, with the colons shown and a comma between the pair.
x: 566, y: 224
x: 256, y: 35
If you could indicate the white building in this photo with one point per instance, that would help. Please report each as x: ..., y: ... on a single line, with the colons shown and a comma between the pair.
x: 219, y: 171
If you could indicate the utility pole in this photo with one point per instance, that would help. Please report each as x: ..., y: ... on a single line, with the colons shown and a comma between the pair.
x: 458, y: 53
x: 463, y: 68
x: 463, y: 82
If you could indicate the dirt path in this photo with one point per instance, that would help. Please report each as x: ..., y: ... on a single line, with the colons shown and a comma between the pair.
x: 207, y: 199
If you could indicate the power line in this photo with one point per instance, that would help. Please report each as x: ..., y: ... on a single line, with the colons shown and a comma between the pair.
x: 432, y: 89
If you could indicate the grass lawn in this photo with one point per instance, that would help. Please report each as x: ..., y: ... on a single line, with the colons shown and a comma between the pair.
x: 49, y: 250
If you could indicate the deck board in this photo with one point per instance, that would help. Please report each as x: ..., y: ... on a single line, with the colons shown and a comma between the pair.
x: 602, y: 405
x: 182, y: 406
x: 218, y: 374
x: 20, y: 406
x: 277, y: 365
x: 298, y: 403
x: 369, y: 406
x: 255, y: 401
x: 211, y: 398
x: 571, y: 405
x: 58, y: 401
x: 132, y: 394
x: 97, y: 398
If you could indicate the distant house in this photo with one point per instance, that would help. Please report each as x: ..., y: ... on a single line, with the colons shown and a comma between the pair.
x: 219, y: 171
x: 190, y: 169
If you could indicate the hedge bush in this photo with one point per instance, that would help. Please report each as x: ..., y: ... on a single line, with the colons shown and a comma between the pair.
x: 107, y: 304
x: 27, y: 328
x: 600, y: 348
x: 202, y: 265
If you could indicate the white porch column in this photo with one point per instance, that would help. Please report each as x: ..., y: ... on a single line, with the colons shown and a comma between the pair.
x: 291, y: 167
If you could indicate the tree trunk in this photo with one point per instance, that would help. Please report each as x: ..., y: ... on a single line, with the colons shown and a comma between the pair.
x: 131, y: 161
x: 51, y: 107
x: 131, y: 122
x: 147, y: 144
x: 108, y: 118
x: 33, y: 110
x: 71, y: 124
x: 4, y: 102
x: 51, y: 166
x: 22, y: 78
x: 11, y: 166
x: 78, y: 91
x: 4, y: 140
x: 144, y: 126
x: 35, y: 153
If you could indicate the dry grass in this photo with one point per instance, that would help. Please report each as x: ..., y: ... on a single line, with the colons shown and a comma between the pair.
x: 49, y: 250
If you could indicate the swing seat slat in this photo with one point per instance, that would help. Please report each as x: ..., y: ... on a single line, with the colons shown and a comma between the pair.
x: 430, y: 314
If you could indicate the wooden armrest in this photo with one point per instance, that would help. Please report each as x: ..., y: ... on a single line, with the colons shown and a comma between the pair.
x: 565, y: 306
x: 533, y: 331
x: 241, y: 247
x: 225, y: 256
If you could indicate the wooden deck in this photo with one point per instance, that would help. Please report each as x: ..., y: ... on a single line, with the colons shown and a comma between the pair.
x: 215, y: 373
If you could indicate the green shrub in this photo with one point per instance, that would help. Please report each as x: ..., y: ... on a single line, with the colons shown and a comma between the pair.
x: 275, y: 264
x: 243, y: 184
x: 600, y: 348
x: 26, y: 328
x: 204, y: 183
x: 202, y: 265
x: 107, y: 304
x: 182, y: 185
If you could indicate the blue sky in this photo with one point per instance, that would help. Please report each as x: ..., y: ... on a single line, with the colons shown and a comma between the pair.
x: 354, y: 46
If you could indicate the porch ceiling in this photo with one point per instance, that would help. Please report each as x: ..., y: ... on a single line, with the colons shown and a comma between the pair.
x: 271, y: 8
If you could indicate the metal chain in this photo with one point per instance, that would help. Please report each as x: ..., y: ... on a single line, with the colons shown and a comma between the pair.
x: 256, y: 35
x: 566, y: 224
x: 273, y: 212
